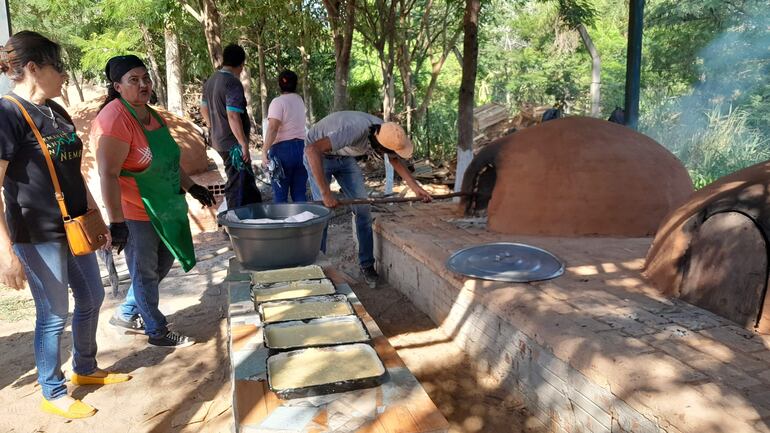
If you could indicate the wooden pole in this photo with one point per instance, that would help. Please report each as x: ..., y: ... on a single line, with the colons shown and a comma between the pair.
x: 349, y: 202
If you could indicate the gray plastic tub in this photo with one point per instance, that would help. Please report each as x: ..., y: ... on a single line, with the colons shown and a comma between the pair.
x: 276, y: 245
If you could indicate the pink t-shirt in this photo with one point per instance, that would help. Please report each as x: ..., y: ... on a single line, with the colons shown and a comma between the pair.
x: 117, y: 122
x: 289, y: 108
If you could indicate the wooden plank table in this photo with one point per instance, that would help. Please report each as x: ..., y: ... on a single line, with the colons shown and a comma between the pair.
x: 400, y: 405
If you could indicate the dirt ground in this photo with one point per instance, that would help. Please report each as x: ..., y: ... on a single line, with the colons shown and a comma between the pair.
x: 188, y: 390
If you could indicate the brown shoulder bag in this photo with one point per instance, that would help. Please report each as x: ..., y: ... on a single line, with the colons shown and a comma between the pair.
x: 85, y: 233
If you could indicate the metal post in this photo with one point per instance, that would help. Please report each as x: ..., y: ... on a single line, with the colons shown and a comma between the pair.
x: 5, y: 33
x: 634, y: 61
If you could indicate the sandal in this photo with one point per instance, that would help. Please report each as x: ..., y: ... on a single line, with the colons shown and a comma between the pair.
x: 76, y: 410
x: 107, y: 379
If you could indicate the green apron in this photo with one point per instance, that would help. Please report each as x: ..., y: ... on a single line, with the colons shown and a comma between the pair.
x: 159, y: 188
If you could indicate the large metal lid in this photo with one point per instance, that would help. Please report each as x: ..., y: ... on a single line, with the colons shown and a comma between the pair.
x: 506, y: 261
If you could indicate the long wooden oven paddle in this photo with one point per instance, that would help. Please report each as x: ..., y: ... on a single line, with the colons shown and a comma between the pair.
x: 347, y: 202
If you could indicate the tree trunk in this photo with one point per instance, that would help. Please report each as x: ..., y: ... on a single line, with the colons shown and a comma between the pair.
x: 405, y: 66
x: 436, y: 67
x: 246, y: 82
x: 342, y: 24
x: 467, y: 89
x: 213, y: 31
x: 65, y: 94
x: 596, y: 71
x: 247, y: 91
x: 306, y: 93
x: 159, y: 86
x: 262, y: 79
x: 388, y: 85
x: 76, y: 82
x: 175, y: 103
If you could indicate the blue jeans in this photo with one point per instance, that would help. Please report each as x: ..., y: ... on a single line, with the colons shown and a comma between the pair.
x: 345, y: 169
x: 50, y: 268
x: 290, y: 153
x: 148, y: 262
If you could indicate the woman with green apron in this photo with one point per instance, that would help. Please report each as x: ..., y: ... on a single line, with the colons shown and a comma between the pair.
x: 143, y: 189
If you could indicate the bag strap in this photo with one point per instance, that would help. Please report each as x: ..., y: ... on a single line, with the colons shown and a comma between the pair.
x: 44, y: 148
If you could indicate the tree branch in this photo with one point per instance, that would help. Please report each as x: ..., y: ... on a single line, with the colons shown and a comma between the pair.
x: 191, y: 10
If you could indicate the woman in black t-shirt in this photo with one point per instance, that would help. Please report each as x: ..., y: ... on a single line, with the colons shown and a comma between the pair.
x: 33, y: 244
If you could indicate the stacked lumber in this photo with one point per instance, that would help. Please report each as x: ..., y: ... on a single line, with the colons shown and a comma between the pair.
x: 493, y: 126
x: 488, y: 115
x: 441, y: 173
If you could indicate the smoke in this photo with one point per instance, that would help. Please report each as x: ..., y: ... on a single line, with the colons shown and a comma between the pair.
x: 713, y: 127
x: 734, y: 65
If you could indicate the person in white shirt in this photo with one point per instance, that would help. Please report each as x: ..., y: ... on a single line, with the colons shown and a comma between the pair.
x: 285, y: 142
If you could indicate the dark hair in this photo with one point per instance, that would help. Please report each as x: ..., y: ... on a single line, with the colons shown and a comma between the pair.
x: 27, y: 46
x: 233, y: 56
x: 112, y: 94
x: 114, y: 71
x: 287, y: 81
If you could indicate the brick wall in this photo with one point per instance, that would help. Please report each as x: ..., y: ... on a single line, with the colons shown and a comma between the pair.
x: 587, y: 354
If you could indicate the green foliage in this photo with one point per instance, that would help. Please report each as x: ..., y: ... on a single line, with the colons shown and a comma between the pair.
x: 727, y: 144
x: 709, y: 57
x: 365, y: 96
x: 576, y: 12
x: 99, y: 48
x: 705, y: 92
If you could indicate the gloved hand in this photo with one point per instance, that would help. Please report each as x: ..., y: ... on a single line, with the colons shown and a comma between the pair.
x: 119, y: 235
x: 202, y: 194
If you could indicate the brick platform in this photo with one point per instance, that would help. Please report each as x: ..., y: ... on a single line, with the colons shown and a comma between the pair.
x: 596, y: 350
x: 399, y: 405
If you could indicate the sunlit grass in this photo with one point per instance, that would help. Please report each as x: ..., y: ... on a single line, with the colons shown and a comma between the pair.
x: 722, y: 144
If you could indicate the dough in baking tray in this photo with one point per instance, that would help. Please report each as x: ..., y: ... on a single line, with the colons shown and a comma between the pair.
x: 347, y: 329
x: 304, y: 310
x: 312, y: 272
x: 294, y: 289
x: 318, y: 366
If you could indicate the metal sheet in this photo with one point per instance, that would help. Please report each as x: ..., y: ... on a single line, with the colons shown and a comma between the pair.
x: 327, y: 388
x: 506, y: 261
x: 268, y: 333
x: 326, y: 299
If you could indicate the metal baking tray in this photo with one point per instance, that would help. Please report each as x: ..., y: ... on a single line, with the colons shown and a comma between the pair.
x: 312, y: 272
x: 331, y: 387
x: 326, y: 287
x: 309, y: 300
x: 351, y: 319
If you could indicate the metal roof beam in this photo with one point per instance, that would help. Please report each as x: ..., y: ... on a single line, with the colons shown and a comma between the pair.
x: 634, y: 62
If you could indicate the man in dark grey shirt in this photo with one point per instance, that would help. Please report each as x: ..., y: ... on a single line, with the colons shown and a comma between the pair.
x: 330, y: 150
x: 223, y: 107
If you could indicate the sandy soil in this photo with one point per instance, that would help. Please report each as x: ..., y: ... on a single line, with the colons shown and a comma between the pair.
x: 188, y: 390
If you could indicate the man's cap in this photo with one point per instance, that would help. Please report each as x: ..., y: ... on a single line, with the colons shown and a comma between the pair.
x: 392, y: 136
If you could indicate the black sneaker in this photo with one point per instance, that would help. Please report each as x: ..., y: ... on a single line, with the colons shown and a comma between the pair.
x: 371, y: 276
x: 135, y: 325
x: 171, y: 339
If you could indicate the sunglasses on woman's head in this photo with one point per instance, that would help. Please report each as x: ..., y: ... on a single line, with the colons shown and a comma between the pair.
x: 57, y: 65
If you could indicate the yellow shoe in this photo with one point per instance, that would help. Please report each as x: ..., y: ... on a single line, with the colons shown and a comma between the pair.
x: 99, y: 377
x: 78, y: 409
